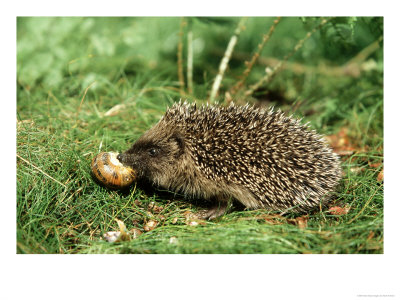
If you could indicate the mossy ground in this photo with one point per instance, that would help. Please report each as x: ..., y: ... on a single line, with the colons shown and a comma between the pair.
x: 71, y: 71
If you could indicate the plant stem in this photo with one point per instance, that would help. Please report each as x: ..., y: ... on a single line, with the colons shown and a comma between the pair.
x: 224, y: 62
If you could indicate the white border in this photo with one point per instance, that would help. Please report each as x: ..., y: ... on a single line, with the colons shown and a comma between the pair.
x: 198, y: 276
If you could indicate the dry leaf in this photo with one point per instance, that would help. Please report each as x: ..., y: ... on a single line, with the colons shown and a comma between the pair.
x: 117, y: 236
x: 301, y: 222
x: 174, y: 220
x: 341, y: 144
x: 115, y: 110
x: 192, y: 219
x: 135, y: 233
x: 380, y: 176
x: 337, y: 210
x: 112, y: 236
x: 375, y: 165
x: 153, y: 207
x: 150, y: 225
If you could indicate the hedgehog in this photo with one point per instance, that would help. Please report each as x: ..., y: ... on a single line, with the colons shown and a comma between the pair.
x: 259, y: 157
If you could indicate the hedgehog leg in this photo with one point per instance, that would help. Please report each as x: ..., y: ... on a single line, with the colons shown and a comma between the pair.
x: 213, y: 212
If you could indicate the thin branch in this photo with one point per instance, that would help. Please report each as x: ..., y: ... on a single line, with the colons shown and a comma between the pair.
x: 256, y: 55
x: 224, y: 62
x: 190, y: 58
x: 180, y: 59
x: 44, y: 173
x: 278, y: 67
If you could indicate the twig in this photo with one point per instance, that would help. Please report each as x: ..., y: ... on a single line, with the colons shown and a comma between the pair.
x: 190, y: 58
x: 29, y: 163
x: 256, y: 55
x: 180, y: 60
x: 278, y: 67
x: 224, y: 62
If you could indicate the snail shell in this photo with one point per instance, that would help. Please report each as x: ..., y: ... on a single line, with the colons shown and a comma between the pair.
x: 109, y: 171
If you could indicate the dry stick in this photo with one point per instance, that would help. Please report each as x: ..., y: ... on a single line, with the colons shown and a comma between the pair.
x: 190, y: 59
x: 29, y: 163
x: 256, y: 55
x: 180, y: 60
x: 224, y: 62
x: 271, y: 73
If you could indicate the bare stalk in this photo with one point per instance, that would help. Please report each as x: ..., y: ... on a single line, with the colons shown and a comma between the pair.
x: 190, y: 58
x: 44, y: 173
x: 256, y: 55
x: 180, y: 60
x: 225, y: 60
x: 271, y: 72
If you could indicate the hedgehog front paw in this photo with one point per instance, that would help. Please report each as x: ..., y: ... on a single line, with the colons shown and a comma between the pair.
x: 214, y: 212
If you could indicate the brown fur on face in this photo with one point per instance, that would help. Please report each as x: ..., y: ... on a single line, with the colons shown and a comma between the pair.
x: 261, y: 158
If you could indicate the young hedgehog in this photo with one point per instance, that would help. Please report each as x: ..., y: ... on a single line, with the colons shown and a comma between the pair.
x: 259, y: 157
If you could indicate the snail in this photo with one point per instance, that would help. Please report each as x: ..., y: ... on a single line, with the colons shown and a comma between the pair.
x: 109, y: 171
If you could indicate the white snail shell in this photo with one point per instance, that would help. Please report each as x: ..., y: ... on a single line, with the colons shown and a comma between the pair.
x: 109, y: 171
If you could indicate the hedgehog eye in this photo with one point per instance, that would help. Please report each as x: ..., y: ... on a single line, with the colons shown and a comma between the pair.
x: 153, y: 151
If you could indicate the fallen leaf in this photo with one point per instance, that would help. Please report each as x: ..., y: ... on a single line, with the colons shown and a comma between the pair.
x: 135, y: 233
x: 115, y: 110
x: 301, y: 222
x: 341, y: 143
x: 337, y: 210
x: 150, y: 225
x: 117, y: 236
x: 112, y: 236
x: 370, y: 235
x: 174, y: 220
x: 154, y: 208
x: 380, y: 176
x: 375, y: 165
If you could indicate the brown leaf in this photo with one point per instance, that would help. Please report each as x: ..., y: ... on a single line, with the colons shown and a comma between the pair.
x: 174, y: 220
x: 117, y: 236
x: 337, y: 210
x: 154, y: 208
x: 135, y: 233
x: 341, y: 143
x: 195, y: 222
x: 375, y: 165
x: 380, y: 176
x: 150, y: 225
x: 301, y: 222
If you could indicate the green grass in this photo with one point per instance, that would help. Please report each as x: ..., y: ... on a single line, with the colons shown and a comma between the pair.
x: 62, y: 125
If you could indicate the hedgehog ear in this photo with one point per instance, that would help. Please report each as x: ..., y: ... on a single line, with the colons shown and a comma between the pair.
x: 180, y: 141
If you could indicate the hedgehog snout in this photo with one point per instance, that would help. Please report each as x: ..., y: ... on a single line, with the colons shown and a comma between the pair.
x: 126, y: 159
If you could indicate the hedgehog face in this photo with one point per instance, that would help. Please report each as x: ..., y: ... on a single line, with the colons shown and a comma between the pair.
x: 155, y: 155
